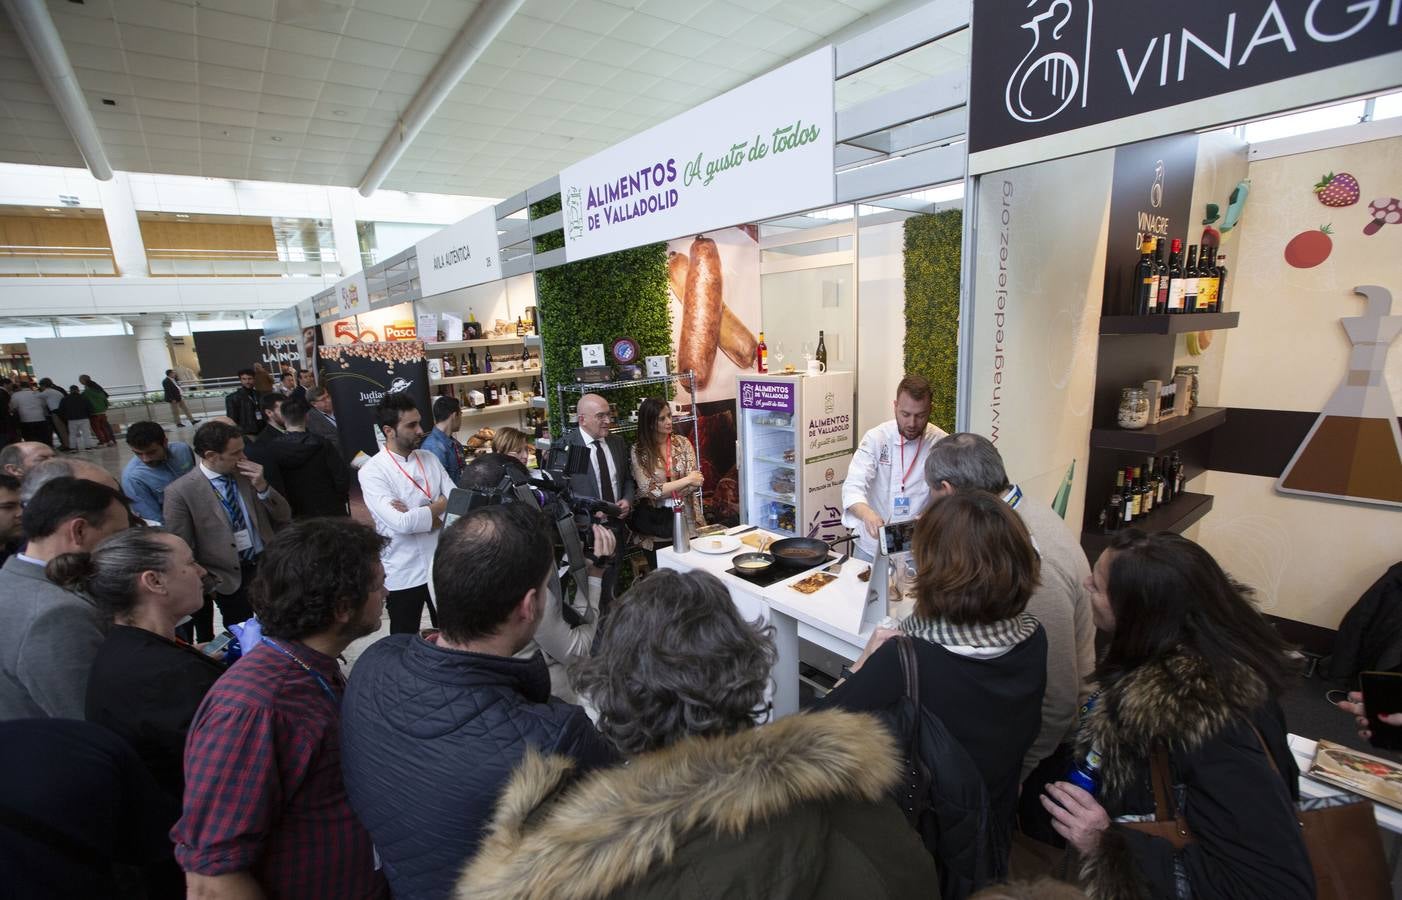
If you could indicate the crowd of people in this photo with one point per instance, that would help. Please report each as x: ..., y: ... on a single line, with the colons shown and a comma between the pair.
x: 40, y: 410
x: 545, y: 739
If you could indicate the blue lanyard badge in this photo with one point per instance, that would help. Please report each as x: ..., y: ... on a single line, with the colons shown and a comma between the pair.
x: 320, y: 679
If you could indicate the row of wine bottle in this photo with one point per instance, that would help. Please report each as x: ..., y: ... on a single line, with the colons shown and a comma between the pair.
x: 1176, y: 286
x: 1140, y: 490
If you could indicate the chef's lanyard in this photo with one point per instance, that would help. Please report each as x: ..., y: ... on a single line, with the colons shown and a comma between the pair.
x: 918, y: 445
x: 667, y: 456
x: 422, y: 488
x: 1013, y: 496
x: 325, y: 686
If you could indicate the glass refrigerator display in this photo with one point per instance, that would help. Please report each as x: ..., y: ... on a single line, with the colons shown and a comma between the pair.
x: 796, y: 441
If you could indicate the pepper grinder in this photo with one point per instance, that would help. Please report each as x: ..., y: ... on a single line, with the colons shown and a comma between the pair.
x: 681, y: 541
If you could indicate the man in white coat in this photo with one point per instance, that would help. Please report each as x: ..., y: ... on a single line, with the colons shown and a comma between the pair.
x: 886, y: 481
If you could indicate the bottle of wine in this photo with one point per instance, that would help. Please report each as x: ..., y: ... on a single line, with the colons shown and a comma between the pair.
x: 1112, y: 509
x: 1146, y: 280
x: 1176, y: 278
x: 449, y: 368
x: 822, y: 352
x: 1148, y: 502
x: 1221, y: 267
x: 1137, y: 488
x: 1159, y: 498
x: 1190, y: 281
x: 762, y: 355
x: 487, y: 361
x: 1127, y: 506
x: 1207, y: 281
x: 1161, y: 268
x: 520, y: 327
x: 1178, y: 478
x: 471, y: 362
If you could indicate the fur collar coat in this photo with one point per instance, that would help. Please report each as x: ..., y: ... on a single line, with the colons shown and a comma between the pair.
x: 796, y: 808
x: 1248, y: 843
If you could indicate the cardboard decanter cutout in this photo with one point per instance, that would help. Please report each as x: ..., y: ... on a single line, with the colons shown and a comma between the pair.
x: 1354, y: 449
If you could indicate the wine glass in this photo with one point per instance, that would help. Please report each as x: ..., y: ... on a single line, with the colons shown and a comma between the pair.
x: 779, y: 355
x: 807, y: 352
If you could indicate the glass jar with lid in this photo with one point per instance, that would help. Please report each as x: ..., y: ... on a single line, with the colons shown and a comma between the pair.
x: 1134, y: 408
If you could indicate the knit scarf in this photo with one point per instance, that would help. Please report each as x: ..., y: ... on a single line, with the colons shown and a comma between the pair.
x: 1003, y: 633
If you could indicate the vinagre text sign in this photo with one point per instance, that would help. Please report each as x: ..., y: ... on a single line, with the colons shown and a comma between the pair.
x: 1052, y: 75
x: 761, y: 150
x: 460, y: 255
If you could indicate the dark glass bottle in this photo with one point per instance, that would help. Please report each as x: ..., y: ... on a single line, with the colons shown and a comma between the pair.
x: 487, y: 361
x: 1161, y: 268
x: 822, y: 352
x: 1146, y: 280
x: 1208, y: 281
x: 1190, y: 281
x: 1147, y: 504
x: 1177, y: 280
x: 1112, y: 508
x: 1221, y: 267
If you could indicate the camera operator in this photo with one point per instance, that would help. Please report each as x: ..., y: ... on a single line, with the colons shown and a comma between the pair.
x: 560, y: 641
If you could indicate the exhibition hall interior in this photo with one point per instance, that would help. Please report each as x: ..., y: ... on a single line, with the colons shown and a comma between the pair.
x: 795, y: 448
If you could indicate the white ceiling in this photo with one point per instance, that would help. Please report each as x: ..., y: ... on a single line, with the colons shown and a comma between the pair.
x: 306, y: 91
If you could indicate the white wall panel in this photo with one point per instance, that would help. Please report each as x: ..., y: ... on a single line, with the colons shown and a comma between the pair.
x: 111, y: 360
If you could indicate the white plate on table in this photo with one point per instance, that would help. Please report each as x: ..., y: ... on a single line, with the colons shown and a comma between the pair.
x: 718, y: 544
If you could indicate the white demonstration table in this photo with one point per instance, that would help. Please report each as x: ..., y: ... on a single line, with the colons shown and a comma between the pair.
x: 831, y: 617
x: 1388, y: 819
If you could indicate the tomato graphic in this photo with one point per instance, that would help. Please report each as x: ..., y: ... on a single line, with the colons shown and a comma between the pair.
x: 1309, y: 248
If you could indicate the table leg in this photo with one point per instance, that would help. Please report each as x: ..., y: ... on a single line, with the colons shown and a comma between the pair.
x: 784, y: 677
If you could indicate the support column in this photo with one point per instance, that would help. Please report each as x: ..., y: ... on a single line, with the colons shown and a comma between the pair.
x: 152, y: 349
x: 123, y: 229
x: 342, y: 202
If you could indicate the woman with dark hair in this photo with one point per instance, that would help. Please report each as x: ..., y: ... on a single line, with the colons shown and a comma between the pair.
x: 981, y: 658
x: 665, y: 469
x: 1190, y: 678
x: 709, y: 805
x: 145, y: 682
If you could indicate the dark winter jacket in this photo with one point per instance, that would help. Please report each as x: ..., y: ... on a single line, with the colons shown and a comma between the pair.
x: 1370, y: 636
x: 314, y: 480
x: 1248, y: 841
x: 241, y: 405
x: 429, y: 737
x: 74, y: 408
x: 796, y: 809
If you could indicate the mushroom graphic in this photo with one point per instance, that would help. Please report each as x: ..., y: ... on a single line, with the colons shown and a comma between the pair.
x: 1385, y: 211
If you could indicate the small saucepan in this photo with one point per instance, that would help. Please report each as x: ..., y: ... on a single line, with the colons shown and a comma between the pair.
x: 752, y: 565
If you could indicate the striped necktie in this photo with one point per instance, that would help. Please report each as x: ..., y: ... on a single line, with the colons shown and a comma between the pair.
x: 228, y: 495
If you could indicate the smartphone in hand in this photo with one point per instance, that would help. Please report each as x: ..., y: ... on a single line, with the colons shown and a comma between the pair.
x: 1382, y: 695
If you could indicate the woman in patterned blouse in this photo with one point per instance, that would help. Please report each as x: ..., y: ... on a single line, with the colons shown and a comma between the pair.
x: 664, y: 464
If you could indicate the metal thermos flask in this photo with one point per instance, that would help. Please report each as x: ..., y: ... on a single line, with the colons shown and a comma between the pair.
x: 681, y: 541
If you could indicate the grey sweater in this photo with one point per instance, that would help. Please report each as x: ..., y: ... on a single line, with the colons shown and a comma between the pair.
x: 48, y: 640
x: 1062, y: 605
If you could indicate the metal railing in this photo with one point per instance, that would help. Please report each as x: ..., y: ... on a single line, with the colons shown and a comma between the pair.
x: 131, y: 403
x: 55, y: 262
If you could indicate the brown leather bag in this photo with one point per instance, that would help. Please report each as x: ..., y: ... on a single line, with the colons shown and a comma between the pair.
x: 1344, y: 845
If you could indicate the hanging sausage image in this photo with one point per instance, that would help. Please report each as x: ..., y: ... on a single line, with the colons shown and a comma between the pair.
x: 736, y: 340
x: 701, y: 311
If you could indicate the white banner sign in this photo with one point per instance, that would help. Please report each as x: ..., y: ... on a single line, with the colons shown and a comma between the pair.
x: 352, y: 295
x: 460, y: 255
x: 761, y: 150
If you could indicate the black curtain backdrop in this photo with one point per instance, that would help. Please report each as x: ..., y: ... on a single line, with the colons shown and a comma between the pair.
x: 223, y: 353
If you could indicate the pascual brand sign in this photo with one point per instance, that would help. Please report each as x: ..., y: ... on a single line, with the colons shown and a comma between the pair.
x: 761, y: 150
x: 460, y: 255
x: 1048, y: 67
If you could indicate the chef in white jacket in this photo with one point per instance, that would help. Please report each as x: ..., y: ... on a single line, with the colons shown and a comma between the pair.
x: 885, y: 482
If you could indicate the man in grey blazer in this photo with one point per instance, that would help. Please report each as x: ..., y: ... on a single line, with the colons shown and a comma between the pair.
x: 321, y: 419
x: 226, y: 511
x: 49, y: 635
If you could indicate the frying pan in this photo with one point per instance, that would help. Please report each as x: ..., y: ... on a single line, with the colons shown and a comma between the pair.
x: 752, y: 571
x: 801, y: 552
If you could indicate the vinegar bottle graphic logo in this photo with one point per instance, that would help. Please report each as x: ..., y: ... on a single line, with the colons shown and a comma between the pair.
x: 1045, y: 83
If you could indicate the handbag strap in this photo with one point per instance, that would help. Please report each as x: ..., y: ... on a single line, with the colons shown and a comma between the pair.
x: 911, y: 669
x: 1165, y: 803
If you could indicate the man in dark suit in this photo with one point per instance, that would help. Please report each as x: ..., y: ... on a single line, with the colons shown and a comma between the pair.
x: 306, y: 380
x: 610, y: 475
x: 176, y: 398
x: 226, y: 511
x: 243, y: 407
x: 318, y: 483
x: 321, y: 419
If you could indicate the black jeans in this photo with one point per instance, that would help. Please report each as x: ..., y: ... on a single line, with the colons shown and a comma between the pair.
x: 234, y: 608
x: 406, y: 609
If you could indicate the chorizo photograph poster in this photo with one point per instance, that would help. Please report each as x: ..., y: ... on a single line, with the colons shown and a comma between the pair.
x: 714, y: 287
x: 761, y: 150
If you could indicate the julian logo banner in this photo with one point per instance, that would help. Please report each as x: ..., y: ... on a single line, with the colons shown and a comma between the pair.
x: 358, y: 376
x: 1047, y: 67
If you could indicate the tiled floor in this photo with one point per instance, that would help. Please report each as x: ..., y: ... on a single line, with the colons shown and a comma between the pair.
x: 114, y: 459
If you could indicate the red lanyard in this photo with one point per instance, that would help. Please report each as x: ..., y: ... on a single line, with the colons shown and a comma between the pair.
x: 422, y: 488
x: 918, y: 445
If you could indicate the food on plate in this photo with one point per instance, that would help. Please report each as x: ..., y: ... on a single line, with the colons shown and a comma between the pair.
x: 736, y: 340
x: 865, y: 574
x: 713, y: 543
x: 701, y: 311
x: 813, y: 582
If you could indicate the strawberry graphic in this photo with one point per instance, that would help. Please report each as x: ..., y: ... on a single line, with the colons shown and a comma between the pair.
x: 1337, y: 190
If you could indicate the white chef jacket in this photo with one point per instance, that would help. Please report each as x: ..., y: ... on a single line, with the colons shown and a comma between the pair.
x: 389, y: 476
x: 874, y: 478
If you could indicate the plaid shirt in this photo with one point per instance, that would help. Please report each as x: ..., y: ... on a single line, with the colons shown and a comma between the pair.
x: 263, y: 788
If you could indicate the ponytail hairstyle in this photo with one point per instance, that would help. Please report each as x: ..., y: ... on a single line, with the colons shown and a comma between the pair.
x: 109, y: 574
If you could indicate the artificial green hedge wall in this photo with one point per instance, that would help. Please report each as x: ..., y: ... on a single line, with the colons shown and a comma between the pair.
x: 932, y: 255
x: 597, y: 301
x: 552, y: 240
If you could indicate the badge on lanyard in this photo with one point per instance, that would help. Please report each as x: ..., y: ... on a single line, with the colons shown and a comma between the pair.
x: 243, y: 540
x: 902, y: 507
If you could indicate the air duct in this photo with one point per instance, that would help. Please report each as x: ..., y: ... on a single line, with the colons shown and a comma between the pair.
x: 482, y: 27
x: 36, y: 31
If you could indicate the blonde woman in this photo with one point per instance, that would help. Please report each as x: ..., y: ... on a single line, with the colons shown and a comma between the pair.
x: 513, y: 442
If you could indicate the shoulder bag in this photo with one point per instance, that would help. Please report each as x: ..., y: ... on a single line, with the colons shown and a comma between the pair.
x: 1345, y: 848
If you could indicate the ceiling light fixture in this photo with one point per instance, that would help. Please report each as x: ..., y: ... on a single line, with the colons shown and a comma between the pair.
x: 275, y: 139
x: 338, y: 112
x: 182, y: 215
x: 108, y: 101
x: 52, y: 209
